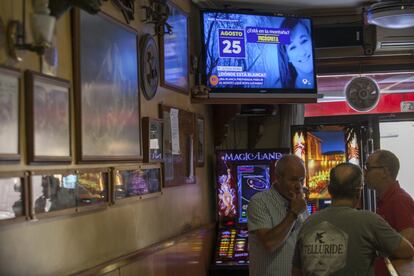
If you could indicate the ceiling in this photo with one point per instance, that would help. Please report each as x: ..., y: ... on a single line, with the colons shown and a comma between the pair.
x: 293, y: 6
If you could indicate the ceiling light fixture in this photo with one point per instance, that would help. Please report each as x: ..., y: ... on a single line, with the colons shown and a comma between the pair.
x: 391, y: 14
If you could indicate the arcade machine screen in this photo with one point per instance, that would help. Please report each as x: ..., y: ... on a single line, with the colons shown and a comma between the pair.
x: 240, y: 175
x: 250, y: 180
x: 321, y: 150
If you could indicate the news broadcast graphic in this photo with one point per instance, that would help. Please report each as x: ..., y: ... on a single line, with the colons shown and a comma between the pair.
x: 265, y: 53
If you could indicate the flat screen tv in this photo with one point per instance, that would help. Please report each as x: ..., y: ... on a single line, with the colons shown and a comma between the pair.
x: 248, y: 55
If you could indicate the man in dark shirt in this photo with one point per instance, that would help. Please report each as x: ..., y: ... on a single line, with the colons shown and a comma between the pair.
x: 393, y: 203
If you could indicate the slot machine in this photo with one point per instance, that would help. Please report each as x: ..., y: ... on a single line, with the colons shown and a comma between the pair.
x: 239, y: 175
x: 322, y: 147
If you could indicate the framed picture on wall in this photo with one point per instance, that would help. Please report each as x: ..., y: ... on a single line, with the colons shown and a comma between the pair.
x: 48, y: 118
x: 93, y: 188
x: 63, y: 192
x: 152, y: 139
x: 107, y: 92
x: 174, y: 49
x: 13, y: 199
x: 9, y: 114
x: 53, y: 193
x: 200, y: 127
x: 137, y: 182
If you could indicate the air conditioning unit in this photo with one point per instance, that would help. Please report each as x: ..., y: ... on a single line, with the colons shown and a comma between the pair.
x: 341, y: 40
x: 373, y: 41
x: 394, y: 39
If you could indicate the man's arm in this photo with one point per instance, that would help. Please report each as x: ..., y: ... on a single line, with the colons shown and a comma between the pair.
x: 390, y: 241
x: 408, y: 233
x: 274, y: 238
x: 405, y: 250
x: 403, y: 210
x: 296, y: 261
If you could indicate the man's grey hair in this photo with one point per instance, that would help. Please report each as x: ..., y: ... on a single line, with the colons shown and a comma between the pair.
x: 282, y: 163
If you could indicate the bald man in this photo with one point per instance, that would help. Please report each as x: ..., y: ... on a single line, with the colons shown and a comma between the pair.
x: 274, y: 219
x: 393, y: 203
x: 341, y: 240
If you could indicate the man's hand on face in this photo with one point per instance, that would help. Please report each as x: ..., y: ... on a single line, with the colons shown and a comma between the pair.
x: 297, y: 203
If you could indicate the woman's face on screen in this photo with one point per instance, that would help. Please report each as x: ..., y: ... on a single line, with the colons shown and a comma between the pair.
x: 299, y: 50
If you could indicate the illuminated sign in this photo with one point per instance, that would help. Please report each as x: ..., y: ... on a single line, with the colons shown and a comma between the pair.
x: 250, y: 156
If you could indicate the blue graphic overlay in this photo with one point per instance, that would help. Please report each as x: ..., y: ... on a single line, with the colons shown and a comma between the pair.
x: 250, y: 180
x: 231, y: 43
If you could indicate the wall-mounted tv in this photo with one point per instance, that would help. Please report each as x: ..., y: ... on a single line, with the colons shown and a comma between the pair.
x: 258, y: 54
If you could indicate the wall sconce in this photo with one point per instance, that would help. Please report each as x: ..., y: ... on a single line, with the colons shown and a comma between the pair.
x: 157, y: 13
x: 42, y: 25
x: 43, y: 20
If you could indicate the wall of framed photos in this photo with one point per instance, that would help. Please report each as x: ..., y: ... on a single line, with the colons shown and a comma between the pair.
x: 127, y: 209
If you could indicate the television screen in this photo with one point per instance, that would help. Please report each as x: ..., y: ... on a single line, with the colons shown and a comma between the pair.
x: 268, y: 54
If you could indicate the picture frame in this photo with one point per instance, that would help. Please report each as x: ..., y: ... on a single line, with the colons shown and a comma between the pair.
x: 179, y: 146
x: 52, y: 193
x: 107, y: 94
x: 174, y: 52
x: 48, y: 118
x: 201, y: 140
x: 9, y: 114
x: 94, y: 190
x: 131, y: 183
x: 67, y: 192
x: 14, y: 206
x: 152, y: 140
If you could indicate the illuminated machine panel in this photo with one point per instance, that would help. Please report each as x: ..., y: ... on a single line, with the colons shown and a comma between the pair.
x: 322, y: 149
x: 239, y: 175
x: 250, y: 180
x: 232, y: 247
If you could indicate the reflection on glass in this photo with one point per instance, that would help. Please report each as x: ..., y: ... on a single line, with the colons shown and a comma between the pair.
x: 200, y: 140
x: 175, y: 50
x: 92, y: 188
x: 51, y: 120
x: 9, y: 114
x: 109, y: 88
x: 155, y: 130
x: 130, y: 183
x: 153, y: 179
x: 11, y: 198
x: 51, y: 194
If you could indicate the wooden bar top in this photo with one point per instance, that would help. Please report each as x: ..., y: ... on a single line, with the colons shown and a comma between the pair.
x: 404, y: 267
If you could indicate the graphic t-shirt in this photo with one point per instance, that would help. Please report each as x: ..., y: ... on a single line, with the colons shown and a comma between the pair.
x: 343, y: 241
